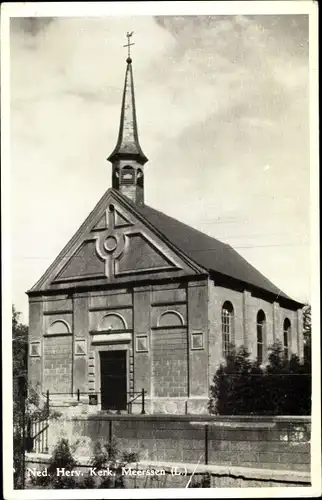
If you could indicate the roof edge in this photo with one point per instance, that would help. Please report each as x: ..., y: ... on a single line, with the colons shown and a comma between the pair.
x: 249, y: 286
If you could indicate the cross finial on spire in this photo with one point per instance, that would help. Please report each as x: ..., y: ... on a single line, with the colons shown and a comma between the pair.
x: 128, y: 45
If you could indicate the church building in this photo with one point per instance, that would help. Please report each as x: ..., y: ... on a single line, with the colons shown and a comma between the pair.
x: 138, y: 300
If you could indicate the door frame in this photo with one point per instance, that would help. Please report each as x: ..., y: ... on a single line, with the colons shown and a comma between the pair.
x: 110, y: 347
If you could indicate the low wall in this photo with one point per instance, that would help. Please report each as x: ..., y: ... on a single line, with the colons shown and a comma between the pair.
x: 281, y: 443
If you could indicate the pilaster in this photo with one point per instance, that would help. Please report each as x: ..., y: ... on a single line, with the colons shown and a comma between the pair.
x: 141, y: 337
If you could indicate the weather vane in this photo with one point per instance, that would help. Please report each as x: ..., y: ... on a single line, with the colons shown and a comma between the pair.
x: 128, y: 45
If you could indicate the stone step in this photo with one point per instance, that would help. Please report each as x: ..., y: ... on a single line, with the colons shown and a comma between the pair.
x: 112, y: 412
x: 65, y: 402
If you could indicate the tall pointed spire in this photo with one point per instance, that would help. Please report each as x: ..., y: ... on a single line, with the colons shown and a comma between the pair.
x: 128, y: 158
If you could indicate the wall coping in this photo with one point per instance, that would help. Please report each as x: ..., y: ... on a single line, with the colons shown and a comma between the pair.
x: 220, y: 470
x: 205, y: 419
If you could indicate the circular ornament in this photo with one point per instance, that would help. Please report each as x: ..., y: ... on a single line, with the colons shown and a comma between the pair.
x: 110, y: 243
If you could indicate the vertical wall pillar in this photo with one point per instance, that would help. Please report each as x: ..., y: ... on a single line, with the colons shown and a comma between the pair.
x: 198, y: 328
x: 81, y: 334
x: 269, y: 331
x: 141, y: 335
x: 247, y: 320
x: 214, y: 330
x: 300, y: 338
x: 35, y: 334
x: 277, y: 322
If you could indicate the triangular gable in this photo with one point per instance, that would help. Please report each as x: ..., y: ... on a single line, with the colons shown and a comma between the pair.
x: 121, y: 220
x: 144, y: 256
x: 102, y: 223
x: 84, y: 263
x: 114, y: 244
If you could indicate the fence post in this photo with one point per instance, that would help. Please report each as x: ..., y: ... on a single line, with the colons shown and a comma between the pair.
x: 23, y: 394
x: 143, y: 402
x: 78, y: 395
x: 110, y: 437
x: 46, y: 438
x: 29, y: 439
x: 206, y: 444
x: 47, y: 401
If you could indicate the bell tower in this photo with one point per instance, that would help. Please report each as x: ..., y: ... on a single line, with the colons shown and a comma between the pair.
x: 128, y: 158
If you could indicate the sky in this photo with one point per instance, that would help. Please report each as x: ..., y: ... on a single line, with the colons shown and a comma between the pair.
x: 223, y: 116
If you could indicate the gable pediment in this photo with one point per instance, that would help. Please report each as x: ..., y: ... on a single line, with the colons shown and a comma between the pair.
x: 114, y: 245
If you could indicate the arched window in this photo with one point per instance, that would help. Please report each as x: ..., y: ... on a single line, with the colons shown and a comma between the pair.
x: 261, y: 323
x: 286, y: 336
x: 112, y: 322
x: 127, y: 175
x: 58, y: 327
x: 227, y: 324
x: 170, y: 318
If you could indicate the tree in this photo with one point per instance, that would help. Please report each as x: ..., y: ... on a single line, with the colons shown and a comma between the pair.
x: 19, y: 372
x: 287, y: 383
x: 307, y: 335
x: 235, y: 384
x: 242, y: 387
x: 19, y: 362
x: 19, y: 345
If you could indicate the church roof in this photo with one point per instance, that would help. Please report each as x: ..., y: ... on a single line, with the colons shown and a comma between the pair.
x: 208, y: 252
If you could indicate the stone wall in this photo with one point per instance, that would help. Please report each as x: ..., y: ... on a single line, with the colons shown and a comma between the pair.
x: 281, y: 443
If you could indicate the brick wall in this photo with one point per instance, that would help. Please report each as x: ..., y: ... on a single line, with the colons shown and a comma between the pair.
x: 58, y: 363
x: 170, y: 363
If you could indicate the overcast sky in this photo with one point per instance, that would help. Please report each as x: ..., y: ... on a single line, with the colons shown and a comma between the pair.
x: 222, y: 107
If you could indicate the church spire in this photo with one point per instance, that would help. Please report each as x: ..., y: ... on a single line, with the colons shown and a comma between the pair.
x: 128, y: 158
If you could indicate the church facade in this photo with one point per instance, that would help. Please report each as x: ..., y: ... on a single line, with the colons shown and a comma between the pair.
x: 138, y: 300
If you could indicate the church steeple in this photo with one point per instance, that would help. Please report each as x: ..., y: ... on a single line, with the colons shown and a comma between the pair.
x: 128, y: 158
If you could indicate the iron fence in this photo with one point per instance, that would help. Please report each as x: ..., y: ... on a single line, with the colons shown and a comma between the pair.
x: 133, y: 398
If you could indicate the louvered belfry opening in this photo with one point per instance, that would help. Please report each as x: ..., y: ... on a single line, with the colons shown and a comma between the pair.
x: 128, y: 158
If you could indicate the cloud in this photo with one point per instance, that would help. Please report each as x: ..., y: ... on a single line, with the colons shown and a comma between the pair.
x: 218, y: 98
x: 29, y: 25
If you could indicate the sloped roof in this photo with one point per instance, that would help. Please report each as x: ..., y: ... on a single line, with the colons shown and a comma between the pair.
x: 208, y: 252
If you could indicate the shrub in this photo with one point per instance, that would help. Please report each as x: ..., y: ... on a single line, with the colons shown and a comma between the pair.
x: 61, y: 458
x: 109, y: 456
x: 205, y: 481
x: 242, y: 387
x: 104, y: 457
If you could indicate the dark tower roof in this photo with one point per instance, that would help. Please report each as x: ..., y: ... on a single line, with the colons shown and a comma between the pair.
x: 128, y: 146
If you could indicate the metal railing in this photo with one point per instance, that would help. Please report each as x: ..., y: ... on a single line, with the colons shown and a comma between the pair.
x: 133, y: 398
x: 37, y: 435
